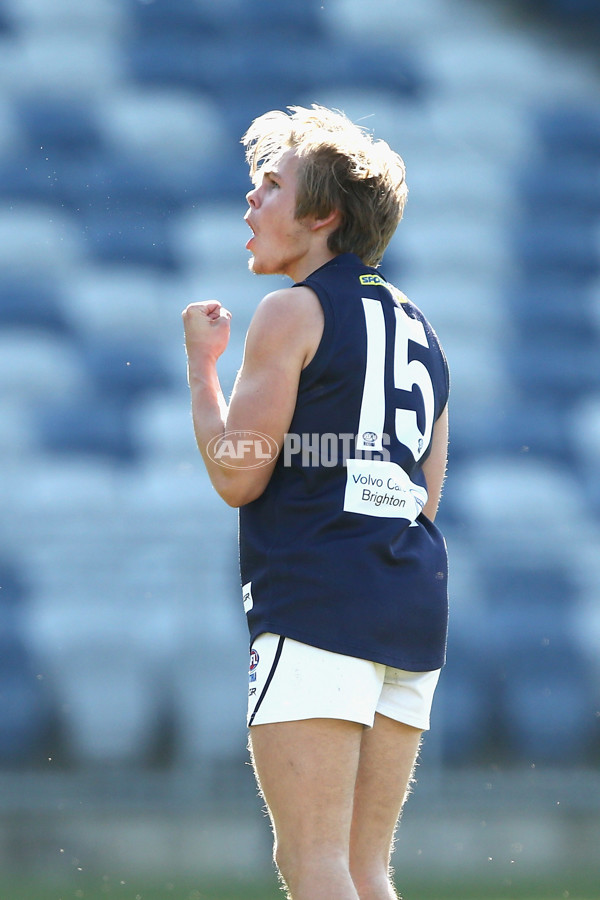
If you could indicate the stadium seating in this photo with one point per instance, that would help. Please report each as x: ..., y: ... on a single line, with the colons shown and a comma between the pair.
x: 548, y: 701
x: 31, y: 302
x: 87, y: 425
x: 62, y: 127
x: 122, y: 182
x: 24, y: 713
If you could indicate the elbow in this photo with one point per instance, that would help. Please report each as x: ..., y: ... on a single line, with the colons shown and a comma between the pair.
x: 236, y: 494
x: 232, y: 498
x: 234, y: 502
x: 235, y: 499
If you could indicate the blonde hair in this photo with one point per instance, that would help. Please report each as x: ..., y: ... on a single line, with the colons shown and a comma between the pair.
x: 342, y: 168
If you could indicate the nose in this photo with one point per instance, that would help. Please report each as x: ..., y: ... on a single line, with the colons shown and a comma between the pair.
x: 252, y: 197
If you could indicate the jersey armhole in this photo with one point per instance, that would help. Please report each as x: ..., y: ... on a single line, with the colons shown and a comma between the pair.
x: 442, y: 401
x: 312, y: 371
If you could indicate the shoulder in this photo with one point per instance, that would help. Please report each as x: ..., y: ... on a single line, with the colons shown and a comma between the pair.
x: 296, y: 302
x: 288, y: 320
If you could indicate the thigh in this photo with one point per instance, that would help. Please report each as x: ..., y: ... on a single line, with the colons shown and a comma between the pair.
x: 387, y: 757
x: 307, y: 772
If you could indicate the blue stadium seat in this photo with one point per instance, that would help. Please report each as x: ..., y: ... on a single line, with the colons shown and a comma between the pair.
x: 37, y: 365
x: 154, y: 61
x: 96, y: 420
x: 58, y: 125
x: 221, y: 67
x: 162, y: 129
x: 27, y: 175
x: 121, y: 369
x: 127, y: 233
x: 508, y: 508
x: 212, y: 650
x: 579, y: 12
x: 38, y: 238
x: 549, y: 704
x: 542, y: 595
x: 525, y: 627
x: 5, y: 24
x: 30, y: 302
x: 552, y: 367
x: 235, y: 17
x: 556, y: 246
x: 161, y: 427
x: 24, y: 714
x: 570, y: 132
x: 464, y: 704
x: 107, y: 681
x: 544, y: 691
x: 299, y: 21
x: 524, y: 424
x: 354, y: 64
x: 13, y: 586
x: 122, y: 302
x: 573, y: 187
x: 169, y: 18
x: 543, y: 305
x: 93, y: 17
x: 89, y: 426
x: 65, y: 58
x: 113, y: 183
x: 279, y: 78
x: 583, y: 429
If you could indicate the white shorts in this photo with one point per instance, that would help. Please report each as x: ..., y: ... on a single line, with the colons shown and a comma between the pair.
x: 290, y: 681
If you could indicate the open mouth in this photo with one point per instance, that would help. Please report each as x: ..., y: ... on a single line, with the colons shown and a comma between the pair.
x: 252, y: 236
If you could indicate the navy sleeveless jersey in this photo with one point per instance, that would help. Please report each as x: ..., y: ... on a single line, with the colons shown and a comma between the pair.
x: 336, y: 552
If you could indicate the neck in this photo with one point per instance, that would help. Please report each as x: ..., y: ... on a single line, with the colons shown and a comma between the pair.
x: 309, y: 264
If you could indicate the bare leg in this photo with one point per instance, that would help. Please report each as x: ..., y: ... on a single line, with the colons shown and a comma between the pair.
x: 387, y: 758
x: 307, y: 773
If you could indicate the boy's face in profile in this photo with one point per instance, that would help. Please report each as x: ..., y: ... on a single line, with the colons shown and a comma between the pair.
x: 279, y: 241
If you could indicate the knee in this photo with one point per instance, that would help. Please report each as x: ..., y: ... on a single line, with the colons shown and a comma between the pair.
x: 285, y: 859
x: 300, y: 864
x: 291, y: 859
x: 372, y: 882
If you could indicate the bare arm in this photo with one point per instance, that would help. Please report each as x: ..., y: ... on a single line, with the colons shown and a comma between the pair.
x: 283, y: 335
x: 434, y: 467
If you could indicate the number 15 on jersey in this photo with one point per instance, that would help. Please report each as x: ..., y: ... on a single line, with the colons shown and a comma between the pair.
x: 407, y: 374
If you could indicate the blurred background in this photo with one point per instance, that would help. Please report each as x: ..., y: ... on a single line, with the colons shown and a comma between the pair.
x: 123, y: 647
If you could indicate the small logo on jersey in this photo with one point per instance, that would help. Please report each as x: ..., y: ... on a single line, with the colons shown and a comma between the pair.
x: 242, y: 449
x: 247, y: 596
x: 369, y: 438
x: 371, y: 279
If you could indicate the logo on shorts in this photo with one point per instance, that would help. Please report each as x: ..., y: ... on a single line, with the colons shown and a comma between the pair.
x: 253, y: 664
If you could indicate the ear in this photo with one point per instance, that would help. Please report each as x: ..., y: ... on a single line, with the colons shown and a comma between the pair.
x: 333, y: 218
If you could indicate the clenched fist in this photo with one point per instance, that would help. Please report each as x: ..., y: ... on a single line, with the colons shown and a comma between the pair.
x: 206, y: 327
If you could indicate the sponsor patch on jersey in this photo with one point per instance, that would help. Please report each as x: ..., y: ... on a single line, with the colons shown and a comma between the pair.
x: 398, y: 296
x: 247, y: 596
x: 372, y: 279
x: 382, y: 488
